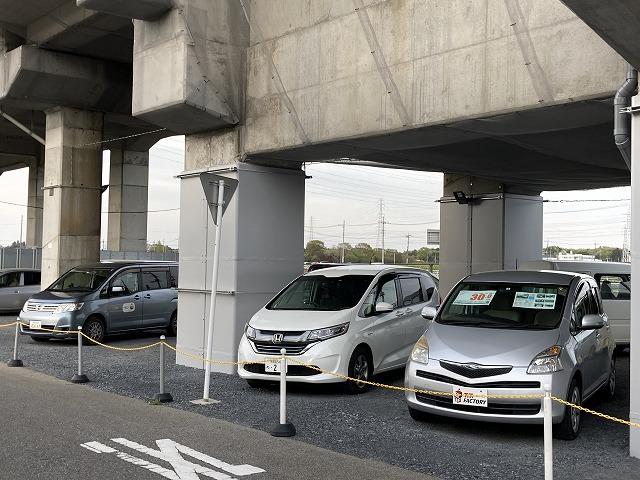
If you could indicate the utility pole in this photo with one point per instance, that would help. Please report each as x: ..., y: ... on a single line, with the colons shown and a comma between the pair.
x: 381, y: 228
x: 342, y: 256
x: 383, y: 239
x: 311, y: 228
x: 408, y: 237
x: 21, y: 220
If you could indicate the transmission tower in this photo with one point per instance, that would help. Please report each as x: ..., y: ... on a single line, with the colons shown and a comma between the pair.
x: 380, y: 234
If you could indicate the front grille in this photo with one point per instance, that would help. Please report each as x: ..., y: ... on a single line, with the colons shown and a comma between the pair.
x: 292, y: 370
x: 453, y: 381
x: 492, y: 408
x: 472, y: 370
x: 41, y: 307
x: 269, y: 348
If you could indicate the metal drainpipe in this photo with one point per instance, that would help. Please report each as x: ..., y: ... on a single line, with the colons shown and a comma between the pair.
x: 622, y: 121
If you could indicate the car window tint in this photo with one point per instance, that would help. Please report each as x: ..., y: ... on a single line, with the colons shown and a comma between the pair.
x: 388, y: 293
x: 615, y: 287
x: 154, y: 279
x: 428, y: 286
x: 127, y: 280
x: 411, y: 291
x: 582, y: 303
x: 173, y: 277
x: 11, y: 279
x: 32, y: 278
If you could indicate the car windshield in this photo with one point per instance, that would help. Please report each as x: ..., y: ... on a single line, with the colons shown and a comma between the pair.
x: 81, y: 280
x: 317, y: 292
x: 505, y: 305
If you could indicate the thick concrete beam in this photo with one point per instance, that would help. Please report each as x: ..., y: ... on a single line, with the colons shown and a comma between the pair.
x: 35, y: 201
x: 73, y: 191
x: 261, y: 246
x: 52, y: 24
x: 188, y: 66
x: 128, y: 201
x: 616, y: 21
x: 499, y: 230
x: 138, y: 9
x: 38, y: 79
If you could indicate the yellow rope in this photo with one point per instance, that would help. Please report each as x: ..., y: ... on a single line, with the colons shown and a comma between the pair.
x: 597, y: 414
x: 218, y: 362
x: 13, y: 324
x: 120, y: 349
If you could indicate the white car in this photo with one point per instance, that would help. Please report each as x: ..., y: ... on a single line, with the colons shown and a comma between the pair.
x: 354, y: 320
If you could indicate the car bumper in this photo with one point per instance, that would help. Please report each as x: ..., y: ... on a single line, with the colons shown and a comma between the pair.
x: 328, y: 355
x: 518, y: 409
x: 61, y: 322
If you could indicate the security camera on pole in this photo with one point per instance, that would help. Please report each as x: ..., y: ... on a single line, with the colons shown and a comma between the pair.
x: 218, y: 191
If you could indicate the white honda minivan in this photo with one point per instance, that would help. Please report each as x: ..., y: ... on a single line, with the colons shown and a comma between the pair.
x: 353, y: 320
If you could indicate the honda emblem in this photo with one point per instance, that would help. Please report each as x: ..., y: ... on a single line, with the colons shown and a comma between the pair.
x: 277, y: 338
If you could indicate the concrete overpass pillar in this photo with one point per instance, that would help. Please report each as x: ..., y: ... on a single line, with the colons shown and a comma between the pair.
x: 499, y: 228
x: 35, y: 202
x: 128, y: 201
x: 261, y: 246
x: 72, y: 190
x: 634, y: 377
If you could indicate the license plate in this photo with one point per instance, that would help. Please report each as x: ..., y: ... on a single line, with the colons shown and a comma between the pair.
x: 35, y: 325
x: 273, y: 367
x: 476, y: 397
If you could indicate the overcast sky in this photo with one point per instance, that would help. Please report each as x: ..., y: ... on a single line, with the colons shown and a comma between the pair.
x: 338, y: 193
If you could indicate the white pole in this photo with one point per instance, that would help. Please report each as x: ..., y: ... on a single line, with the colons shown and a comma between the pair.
x: 214, y: 290
x: 342, y: 256
x: 547, y: 405
x: 634, y: 356
x: 283, y: 387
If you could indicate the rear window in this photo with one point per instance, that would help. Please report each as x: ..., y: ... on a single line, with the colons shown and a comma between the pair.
x: 154, y: 279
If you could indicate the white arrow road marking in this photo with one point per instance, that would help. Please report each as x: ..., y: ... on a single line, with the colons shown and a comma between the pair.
x: 170, y: 452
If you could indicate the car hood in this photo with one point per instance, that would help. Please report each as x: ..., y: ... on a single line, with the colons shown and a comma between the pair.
x: 488, y: 346
x: 56, y: 297
x: 298, y: 320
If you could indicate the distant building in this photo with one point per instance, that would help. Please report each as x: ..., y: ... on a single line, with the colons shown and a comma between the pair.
x: 577, y: 257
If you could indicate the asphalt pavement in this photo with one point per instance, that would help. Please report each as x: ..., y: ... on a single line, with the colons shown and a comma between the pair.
x: 374, y: 426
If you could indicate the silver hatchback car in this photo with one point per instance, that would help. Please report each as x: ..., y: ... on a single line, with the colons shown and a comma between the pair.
x: 512, y: 333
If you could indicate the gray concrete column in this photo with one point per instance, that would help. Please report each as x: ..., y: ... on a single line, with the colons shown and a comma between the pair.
x: 634, y: 404
x: 498, y: 229
x: 72, y: 184
x: 128, y: 201
x: 35, y: 202
x: 261, y: 247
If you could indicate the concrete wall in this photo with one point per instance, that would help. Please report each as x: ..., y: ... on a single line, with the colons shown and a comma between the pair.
x: 434, y: 62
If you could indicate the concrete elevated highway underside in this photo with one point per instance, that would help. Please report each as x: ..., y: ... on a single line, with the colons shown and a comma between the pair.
x: 506, y: 97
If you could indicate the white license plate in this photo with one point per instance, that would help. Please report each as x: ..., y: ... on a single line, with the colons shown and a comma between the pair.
x: 476, y: 397
x: 35, y: 325
x: 273, y: 367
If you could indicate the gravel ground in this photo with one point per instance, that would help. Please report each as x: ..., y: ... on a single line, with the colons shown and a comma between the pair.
x: 375, y: 425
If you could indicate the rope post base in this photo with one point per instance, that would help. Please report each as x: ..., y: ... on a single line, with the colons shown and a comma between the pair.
x: 15, y: 362
x: 79, y: 377
x: 284, y: 428
x: 162, y: 396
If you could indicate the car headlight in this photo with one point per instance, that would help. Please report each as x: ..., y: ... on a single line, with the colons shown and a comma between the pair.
x: 547, y: 361
x: 250, y: 332
x: 68, y: 307
x: 420, y: 352
x: 324, y: 333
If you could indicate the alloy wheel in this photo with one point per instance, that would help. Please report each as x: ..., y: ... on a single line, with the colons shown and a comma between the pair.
x: 95, y: 330
x: 361, y: 370
x: 612, y: 379
x: 575, y: 413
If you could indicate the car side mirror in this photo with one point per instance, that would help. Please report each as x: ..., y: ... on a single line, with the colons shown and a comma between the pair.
x: 428, y: 313
x: 591, y: 321
x: 117, y: 290
x: 384, y: 307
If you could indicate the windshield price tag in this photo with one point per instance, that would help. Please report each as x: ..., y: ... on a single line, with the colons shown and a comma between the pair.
x: 468, y: 297
x: 540, y: 301
x: 470, y: 396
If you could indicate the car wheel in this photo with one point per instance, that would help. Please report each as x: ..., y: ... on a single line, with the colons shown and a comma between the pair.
x: 172, y: 329
x: 360, y: 368
x: 569, y: 428
x: 40, y: 339
x: 94, y: 329
x: 611, y: 384
x: 418, y: 415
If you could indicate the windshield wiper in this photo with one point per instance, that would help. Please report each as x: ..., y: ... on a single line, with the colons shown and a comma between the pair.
x: 481, y: 323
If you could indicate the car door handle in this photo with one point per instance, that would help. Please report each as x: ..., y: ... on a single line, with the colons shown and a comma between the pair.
x: 147, y: 296
x: 399, y: 313
x: 408, y: 310
x: 16, y: 291
x: 136, y: 297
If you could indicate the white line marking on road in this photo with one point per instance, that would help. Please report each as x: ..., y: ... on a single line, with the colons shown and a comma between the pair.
x: 170, y: 451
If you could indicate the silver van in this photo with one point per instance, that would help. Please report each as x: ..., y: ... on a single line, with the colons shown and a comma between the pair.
x: 105, y: 298
x: 16, y: 286
x: 614, y: 280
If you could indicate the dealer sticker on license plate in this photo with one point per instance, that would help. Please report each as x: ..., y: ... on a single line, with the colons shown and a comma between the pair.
x: 35, y: 325
x: 273, y: 367
x: 470, y: 396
